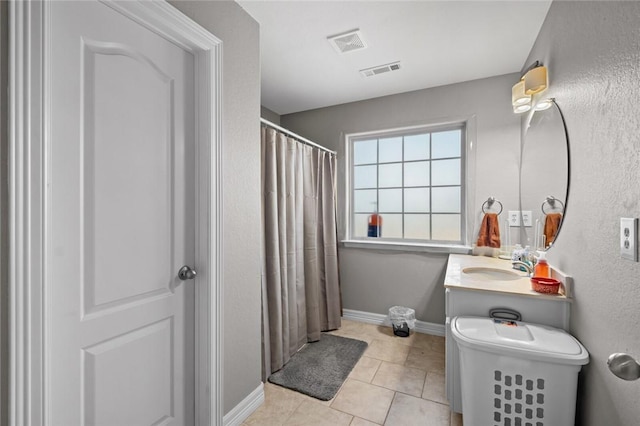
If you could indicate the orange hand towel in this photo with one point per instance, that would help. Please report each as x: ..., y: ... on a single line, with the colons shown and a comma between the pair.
x: 489, y: 235
x: 551, y: 225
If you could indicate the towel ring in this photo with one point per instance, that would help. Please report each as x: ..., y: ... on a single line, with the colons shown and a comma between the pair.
x: 489, y: 203
x: 551, y: 200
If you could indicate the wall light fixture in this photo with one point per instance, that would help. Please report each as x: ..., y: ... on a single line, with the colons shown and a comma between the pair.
x: 533, y: 82
x: 536, y: 80
x: 543, y: 104
x: 521, y: 101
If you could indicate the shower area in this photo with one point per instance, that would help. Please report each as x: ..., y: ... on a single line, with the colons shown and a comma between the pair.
x: 300, y: 281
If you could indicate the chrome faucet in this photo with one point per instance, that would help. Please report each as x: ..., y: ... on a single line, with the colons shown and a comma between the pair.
x: 528, y: 267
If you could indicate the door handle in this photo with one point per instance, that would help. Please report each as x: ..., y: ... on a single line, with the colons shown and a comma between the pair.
x: 624, y: 366
x: 186, y: 273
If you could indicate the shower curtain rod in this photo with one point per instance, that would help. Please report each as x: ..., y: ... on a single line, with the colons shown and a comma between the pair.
x: 295, y: 136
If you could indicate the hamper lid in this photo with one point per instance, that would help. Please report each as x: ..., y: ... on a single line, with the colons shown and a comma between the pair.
x: 519, y: 339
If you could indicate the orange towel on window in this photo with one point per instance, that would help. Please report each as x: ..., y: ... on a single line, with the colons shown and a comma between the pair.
x: 489, y: 235
x: 551, y: 225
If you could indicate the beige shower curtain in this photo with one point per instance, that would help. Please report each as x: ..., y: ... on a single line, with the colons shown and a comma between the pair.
x: 300, y: 287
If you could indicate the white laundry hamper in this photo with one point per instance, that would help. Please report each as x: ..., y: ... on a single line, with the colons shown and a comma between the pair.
x: 517, y: 374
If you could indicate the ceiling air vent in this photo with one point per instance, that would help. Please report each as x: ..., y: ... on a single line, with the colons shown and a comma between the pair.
x: 380, y: 69
x: 347, y: 42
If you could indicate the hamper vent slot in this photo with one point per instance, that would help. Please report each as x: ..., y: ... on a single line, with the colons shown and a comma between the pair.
x: 526, y: 406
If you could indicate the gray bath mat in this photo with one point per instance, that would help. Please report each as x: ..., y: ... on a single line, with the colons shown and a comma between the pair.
x: 320, y: 368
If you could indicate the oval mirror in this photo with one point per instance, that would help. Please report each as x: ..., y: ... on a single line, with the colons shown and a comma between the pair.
x: 544, y: 175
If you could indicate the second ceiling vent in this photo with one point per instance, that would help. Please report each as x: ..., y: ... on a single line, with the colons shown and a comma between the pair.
x: 380, y: 69
x: 347, y: 42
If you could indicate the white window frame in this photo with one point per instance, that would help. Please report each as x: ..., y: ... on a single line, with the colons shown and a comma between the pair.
x: 468, y: 126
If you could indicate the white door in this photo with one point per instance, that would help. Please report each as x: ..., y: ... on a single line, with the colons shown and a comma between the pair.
x: 119, y: 323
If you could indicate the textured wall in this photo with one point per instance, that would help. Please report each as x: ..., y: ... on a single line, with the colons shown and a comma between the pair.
x: 241, y: 191
x: 592, y: 50
x: 373, y: 280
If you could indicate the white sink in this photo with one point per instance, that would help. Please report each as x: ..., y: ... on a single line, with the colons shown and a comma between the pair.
x: 492, y: 274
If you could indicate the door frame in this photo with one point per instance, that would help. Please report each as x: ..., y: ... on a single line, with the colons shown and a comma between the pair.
x: 29, y: 139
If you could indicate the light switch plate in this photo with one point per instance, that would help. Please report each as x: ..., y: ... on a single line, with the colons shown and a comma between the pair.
x: 514, y: 218
x: 629, y: 238
x: 527, y: 218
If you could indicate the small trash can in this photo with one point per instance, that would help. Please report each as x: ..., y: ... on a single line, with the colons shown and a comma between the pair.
x: 515, y: 373
x: 402, y: 319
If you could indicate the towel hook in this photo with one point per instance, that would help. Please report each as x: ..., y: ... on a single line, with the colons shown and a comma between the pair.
x: 551, y: 200
x: 489, y: 203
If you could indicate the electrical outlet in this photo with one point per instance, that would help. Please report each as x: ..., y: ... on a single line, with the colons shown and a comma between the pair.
x: 629, y: 238
x: 527, y: 218
x: 514, y: 218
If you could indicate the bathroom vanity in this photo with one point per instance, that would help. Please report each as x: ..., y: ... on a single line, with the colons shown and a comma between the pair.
x: 476, y: 284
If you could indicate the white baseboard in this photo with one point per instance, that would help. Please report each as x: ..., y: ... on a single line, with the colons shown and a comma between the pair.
x: 429, y: 328
x: 247, y: 406
x: 381, y: 319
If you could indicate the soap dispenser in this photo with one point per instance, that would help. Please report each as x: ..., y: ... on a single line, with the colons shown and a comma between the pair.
x: 542, y: 267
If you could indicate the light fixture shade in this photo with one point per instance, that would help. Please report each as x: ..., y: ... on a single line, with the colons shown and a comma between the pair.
x: 519, y: 109
x: 518, y: 97
x: 536, y: 80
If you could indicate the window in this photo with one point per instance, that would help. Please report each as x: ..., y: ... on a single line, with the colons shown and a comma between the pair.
x: 414, y: 179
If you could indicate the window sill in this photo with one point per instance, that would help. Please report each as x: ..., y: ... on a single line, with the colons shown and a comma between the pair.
x: 406, y: 246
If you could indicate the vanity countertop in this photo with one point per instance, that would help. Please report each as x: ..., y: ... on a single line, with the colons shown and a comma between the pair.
x: 457, y: 279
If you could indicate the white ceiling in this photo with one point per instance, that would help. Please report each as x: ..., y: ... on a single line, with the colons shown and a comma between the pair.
x: 437, y: 42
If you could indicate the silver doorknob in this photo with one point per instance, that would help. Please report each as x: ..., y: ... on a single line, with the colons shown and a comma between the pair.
x: 186, y: 273
x: 624, y: 366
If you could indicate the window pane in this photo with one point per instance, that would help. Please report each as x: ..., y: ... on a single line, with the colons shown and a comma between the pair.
x: 390, y: 150
x: 446, y: 144
x: 364, y: 200
x: 390, y: 175
x: 416, y: 226
x: 365, y: 152
x: 390, y: 200
x: 416, y: 174
x: 445, y: 200
x: 416, y: 200
x: 365, y: 177
x: 360, y: 225
x: 415, y: 182
x: 446, y: 172
x: 416, y: 147
x: 446, y: 227
x: 392, y: 226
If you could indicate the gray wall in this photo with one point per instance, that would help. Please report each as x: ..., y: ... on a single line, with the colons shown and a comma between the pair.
x: 372, y: 280
x: 267, y: 114
x: 241, y: 190
x: 593, y: 53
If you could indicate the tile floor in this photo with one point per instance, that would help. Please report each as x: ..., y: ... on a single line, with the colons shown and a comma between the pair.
x: 398, y: 381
